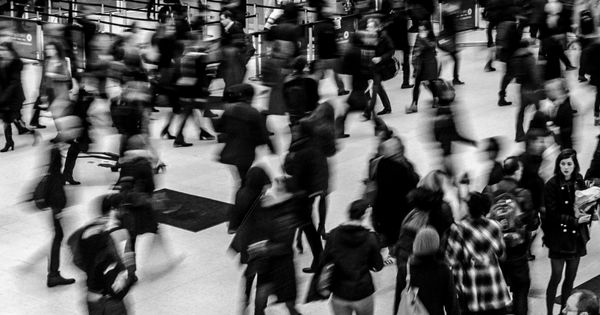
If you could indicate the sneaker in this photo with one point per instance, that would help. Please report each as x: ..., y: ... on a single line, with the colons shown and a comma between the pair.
x: 57, y: 279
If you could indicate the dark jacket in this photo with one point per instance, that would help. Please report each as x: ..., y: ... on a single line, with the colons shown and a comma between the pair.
x: 436, y: 285
x: 591, y: 62
x: 496, y: 173
x: 11, y: 89
x: 300, y: 95
x: 234, y: 36
x: 424, y: 60
x: 564, y: 121
x: 563, y: 235
x: 247, y: 197
x: 308, y: 165
x: 326, y: 40
x: 394, y: 181
x: 594, y: 170
x: 354, y: 252
x: 244, y: 129
x: 531, y: 180
x: 524, y: 67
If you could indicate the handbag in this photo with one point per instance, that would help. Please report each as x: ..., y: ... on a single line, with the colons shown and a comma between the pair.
x: 325, y: 279
x: 388, y: 68
x: 410, y: 304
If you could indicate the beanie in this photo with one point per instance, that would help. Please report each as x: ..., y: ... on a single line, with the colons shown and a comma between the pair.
x: 426, y: 242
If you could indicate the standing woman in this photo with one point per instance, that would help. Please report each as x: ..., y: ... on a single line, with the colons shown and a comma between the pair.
x: 565, y: 233
x: 424, y: 61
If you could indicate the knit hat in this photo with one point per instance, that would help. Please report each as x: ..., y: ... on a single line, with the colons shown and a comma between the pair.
x: 426, y: 242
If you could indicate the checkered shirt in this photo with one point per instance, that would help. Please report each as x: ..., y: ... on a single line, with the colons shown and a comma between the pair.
x: 473, y: 248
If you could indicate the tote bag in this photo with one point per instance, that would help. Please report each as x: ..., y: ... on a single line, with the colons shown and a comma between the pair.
x: 410, y: 304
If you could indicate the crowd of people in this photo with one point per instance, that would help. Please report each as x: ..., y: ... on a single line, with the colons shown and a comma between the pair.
x: 470, y: 255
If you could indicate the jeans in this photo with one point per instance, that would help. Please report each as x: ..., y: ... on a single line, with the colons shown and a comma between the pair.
x: 557, y: 269
x: 360, y: 307
x: 56, y: 241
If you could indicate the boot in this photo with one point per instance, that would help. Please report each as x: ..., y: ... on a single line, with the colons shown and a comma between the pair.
x: 56, y: 279
x: 165, y: 134
x: 9, y: 146
x: 503, y: 102
x: 20, y: 124
x: 180, y: 142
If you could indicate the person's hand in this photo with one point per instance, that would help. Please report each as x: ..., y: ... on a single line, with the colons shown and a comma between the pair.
x: 376, y: 60
x: 120, y: 282
x: 584, y: 219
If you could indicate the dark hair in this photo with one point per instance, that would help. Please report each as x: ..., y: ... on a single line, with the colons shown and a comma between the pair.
x: 109, y: 202
x: 425, y: 199
x: 478, y: 204
x: 511, y: 165
x: 493, y: 145
x: 299, y: 63
x: 588, y: 302
x: 228, y: 14
x: 60, y: 50
x: 566, y: 154
x: 357, y: 209
x: 239, y: 93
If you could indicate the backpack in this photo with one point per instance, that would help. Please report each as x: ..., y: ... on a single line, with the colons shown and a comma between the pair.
x: 506, y: 210
x: 443, y: 90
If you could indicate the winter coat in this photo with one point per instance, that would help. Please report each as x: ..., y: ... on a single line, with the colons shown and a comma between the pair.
x: 247, y: 197
x: 563, y: 235
x: 523, y: 66
x: 434, y: 279
x: 308, y: 165
x: 243, y: 130
x: 394, y: 179
x: 424, y: 59
x: 354, y: 251
x: 11, y: 88
x: 326, y: 40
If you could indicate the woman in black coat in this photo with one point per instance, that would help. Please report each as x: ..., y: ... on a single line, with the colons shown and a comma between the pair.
x: 11, y: 95
x: 566, y: 231
x: 395, y: 178
x: 424, y: 61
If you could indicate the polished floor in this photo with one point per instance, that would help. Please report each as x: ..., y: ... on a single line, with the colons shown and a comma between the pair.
x: 207, y: 279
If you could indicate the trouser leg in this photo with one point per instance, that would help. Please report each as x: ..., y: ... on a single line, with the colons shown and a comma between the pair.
x: 71, y: 159
x: 56, y: 242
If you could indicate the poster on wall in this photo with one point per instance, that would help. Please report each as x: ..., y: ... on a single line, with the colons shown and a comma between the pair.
x: 24, y: 37
x: 466, y: 16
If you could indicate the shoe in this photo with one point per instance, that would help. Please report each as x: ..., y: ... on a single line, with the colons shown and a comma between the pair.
x: 38, y: 126
x: 384, y: 112
x: 54, y: 280
x: 209, y: 114
x: 308, y: 270
x: 343, y: 92
x: 165, y: 133
x: 519, y: 139
x: 574, y: 111
x: 366, y: 116
x: 457, y: 82
x: 154, y: 110
x: 406, y: 85
x: 503, y: 102
x: 531, y: 257
x: 412, y: 108
x: 9, y: 146
x: 596, y: 121
x: 582, y: 78
x: 413, y: 29
x: 570, y: 68
x: 179, y: 144
x: 160, y: 168
x: 489, y: 68
x: 343, y: 135
x: 205, y: 135
x: 69, y: 180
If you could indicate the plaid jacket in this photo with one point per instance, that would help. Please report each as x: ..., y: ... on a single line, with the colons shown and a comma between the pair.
x: 472, y: 251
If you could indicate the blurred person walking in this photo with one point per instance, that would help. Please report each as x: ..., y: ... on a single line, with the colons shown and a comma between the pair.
x: 396, y: 25
x: 424, y: 62
x: 328, y: 53
x: 562, y: 114
x: 447, y: 37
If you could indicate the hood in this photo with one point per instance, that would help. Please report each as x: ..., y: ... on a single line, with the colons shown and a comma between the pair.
x: 352, y: 235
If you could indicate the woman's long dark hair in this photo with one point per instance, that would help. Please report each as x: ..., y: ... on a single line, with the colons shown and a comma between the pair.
x: 565, y: 154
x: 60, y: 50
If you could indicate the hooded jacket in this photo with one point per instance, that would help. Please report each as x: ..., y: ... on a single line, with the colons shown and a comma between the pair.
x: 354, y: 251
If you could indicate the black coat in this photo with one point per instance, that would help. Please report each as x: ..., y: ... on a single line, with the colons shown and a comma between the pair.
x: 11, y: 88
x: 564, y: 237
x: 394, y: 181
x: 436, y: 285
x: 564, y: 121
x: 243, y: 130
x: 308, y: 165
x: 354, y: 251
x: 326, y: 40
x: 531, y: 180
